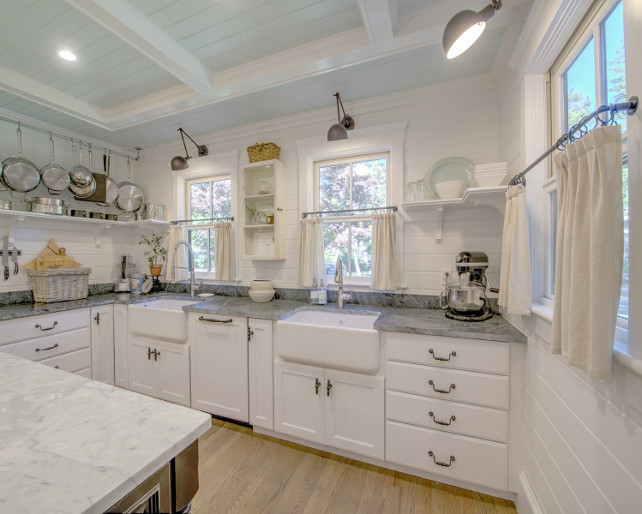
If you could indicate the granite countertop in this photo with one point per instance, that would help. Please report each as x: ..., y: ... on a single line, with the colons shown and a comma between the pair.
x: 70, y: 444
x: 412, y: 320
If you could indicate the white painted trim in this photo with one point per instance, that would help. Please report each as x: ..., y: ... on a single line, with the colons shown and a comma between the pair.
x: 526, y: 501
x: 380, y: 19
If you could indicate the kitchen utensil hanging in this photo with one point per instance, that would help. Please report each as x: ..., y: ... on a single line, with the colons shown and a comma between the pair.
x: 53, y: 176
x: 130, y: 196
x: 83, y: 183
x: 99, y: 191
x: 111, y: 187
x: 19, y: 174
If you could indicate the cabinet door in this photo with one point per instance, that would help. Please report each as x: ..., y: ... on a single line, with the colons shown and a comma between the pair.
x: 120, y: 345
x: 354, y: 412
x: 219, y: 365
x: 260, y: 373
x: 172, y: 372
x: 299, y: 394
x: 142, y: 378
x: 102, y: 343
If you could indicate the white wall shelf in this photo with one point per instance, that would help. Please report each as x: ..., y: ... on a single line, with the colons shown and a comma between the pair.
x: 475, y: 196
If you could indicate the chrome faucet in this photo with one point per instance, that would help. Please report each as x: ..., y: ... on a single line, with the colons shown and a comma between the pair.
x: 338, y: 279
x: 190, y: 264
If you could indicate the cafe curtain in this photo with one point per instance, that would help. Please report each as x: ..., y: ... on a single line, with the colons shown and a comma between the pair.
x: 223, y: 252
x: 384, y: 257
x: 176, y: 267
x: 311, y: 262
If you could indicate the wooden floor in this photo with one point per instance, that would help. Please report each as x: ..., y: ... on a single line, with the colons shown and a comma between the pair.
x: 245, y: 472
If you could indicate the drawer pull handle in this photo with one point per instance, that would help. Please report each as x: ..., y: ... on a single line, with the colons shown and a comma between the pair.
x: 443, y: 359
x: 444, y: 423
x: 201, y: 318
x: 443, y: 391
x: 48, y: 328
x: 149, y: 353
x: 47, y: 349
x: 328, y: 388
x: 439, y: 463
x: 317, y: 384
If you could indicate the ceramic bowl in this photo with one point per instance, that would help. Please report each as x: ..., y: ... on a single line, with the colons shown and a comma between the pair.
x: 449, y: 189
x: 262, y: 296
x: 490, y: 179
x: 261, y: 285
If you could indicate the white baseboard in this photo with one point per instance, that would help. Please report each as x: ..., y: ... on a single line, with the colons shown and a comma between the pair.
x: 525, y: 500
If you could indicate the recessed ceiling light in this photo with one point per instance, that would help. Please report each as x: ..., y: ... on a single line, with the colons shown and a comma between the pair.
x: 67, y: 55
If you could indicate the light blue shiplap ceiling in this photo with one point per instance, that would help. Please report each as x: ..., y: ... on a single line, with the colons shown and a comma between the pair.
x: 146, y: 66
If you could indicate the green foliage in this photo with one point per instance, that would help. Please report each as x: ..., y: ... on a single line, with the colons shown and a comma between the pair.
x: 156, y: 250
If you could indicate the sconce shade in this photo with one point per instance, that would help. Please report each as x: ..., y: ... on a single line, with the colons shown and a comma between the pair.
x: 181, y: 163
x: 465, y: 28
x: 337, y: 132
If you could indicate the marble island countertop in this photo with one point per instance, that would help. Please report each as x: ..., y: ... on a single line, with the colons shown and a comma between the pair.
x: 70, y: 444
x: 391, y: 319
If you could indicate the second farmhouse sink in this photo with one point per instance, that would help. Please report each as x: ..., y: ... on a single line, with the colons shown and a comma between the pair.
x: 339, y: 340
x: 159, y: 319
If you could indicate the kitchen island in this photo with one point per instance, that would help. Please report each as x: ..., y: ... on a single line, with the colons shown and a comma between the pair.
x: 72, y: 445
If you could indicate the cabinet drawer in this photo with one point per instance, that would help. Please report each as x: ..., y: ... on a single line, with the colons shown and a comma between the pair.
x: 448, y: 352
x: 476, y: 461
x: 446, y: 416
x: 42, y: 326
x: 50, y: 346
x: 448, y: 384
x: 71, y: 362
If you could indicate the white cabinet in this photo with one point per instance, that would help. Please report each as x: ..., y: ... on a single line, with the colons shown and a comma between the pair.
x: 337, y: 408
x: 219, y: 364
x: 121, y: 366
x: 102, y: 343
x: 260, y: 373
x: 159, y: 369
x: 263, y: 211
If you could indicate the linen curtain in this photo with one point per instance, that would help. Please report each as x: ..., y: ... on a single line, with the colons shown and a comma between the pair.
x: 589, y: 250
x: 311, y: 261
x: 515, y: 273
x: 384, y: 258
x: 223, y: 252
x: 176, y: 265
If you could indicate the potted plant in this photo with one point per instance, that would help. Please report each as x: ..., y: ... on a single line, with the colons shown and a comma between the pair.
x: 156, y: 252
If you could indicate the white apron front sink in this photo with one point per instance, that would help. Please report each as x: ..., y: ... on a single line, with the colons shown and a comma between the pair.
x: 162, y: 319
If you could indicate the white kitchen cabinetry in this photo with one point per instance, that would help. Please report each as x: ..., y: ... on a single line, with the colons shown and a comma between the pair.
x: 102, y: 343
x: 121, y: 366
x: 159, y: 369
x: 263, y: 214
x: 261, y: 373
x: 219, y: 364
x: 337, y: 408
x: 447, y: 407
x: 61, y: 340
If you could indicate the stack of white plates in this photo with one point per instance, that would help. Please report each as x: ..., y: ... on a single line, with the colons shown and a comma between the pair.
x: 490, y: 175
x: 262, y: 290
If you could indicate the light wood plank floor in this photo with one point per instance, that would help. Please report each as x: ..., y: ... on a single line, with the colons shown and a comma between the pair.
x: 245, y: 472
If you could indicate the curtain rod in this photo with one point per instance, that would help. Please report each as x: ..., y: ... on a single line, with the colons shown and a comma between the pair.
x: 392, y: 208
x: 630, y: 107
x: 68, y: 138
x: 180, y: 222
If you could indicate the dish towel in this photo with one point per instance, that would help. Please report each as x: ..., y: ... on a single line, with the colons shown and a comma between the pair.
x: 176, y: 269
x: 223, y: 252
x: 311, y: 261
x: 384, y: 257
x: 589, y: 250
x: 515, y: 273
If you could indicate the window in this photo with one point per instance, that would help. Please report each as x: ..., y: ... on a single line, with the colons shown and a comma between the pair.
x: 589, y: 74
x: 206, y: 198
x: 353, y: 183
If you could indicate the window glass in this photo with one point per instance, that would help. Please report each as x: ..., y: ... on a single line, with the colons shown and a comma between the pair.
x: 580, y: 86
x: 613, y: 37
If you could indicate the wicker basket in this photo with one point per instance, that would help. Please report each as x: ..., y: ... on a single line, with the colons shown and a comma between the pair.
x: 263, y: 152
x: 59, y: 285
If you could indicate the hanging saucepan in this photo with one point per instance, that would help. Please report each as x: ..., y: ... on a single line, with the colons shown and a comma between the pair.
x: 81, y: 192
x: 53, y: 176
x: 18, y: 174
x: 111, y: 187
x: 79, y: 175
x: 130, y: 196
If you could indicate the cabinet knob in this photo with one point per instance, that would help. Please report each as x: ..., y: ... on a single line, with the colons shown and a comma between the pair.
x: 317, y: 384
x: 328, y: 387
x: 156, y: 354
x: 149, y: 353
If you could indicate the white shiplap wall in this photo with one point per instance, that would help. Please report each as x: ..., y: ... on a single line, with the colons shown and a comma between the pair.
x: 456, y: 118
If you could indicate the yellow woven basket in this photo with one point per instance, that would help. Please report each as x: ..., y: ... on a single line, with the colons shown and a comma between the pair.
x: 263, y: 152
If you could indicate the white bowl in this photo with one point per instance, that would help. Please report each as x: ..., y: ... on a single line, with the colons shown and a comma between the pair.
x: 262, y: 296
x: 490, y: 179
x: 449, y: 189
x: 261, y: 285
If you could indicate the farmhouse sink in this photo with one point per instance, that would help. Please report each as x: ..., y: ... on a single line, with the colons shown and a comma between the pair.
x: 339, y: 340
x: 163, y: 319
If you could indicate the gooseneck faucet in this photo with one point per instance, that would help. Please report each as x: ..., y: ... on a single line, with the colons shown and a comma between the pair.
x: 338, y: 279
x: 190, y: 264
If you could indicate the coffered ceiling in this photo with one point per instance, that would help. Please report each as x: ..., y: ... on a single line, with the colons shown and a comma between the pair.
x: 144, y: 67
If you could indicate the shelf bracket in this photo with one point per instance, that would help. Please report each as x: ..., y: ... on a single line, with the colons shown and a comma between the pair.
x: 99, y: 234
x: 439, y: 223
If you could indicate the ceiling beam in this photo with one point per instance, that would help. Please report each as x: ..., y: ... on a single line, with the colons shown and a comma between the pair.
x: 128, y: 24
x: 380, y: 18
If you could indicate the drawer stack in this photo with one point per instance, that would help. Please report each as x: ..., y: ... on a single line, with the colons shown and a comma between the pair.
x: 447, y: 407
x: 61, y: 340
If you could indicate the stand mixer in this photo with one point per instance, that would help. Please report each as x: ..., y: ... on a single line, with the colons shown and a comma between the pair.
x: 465, y: 297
